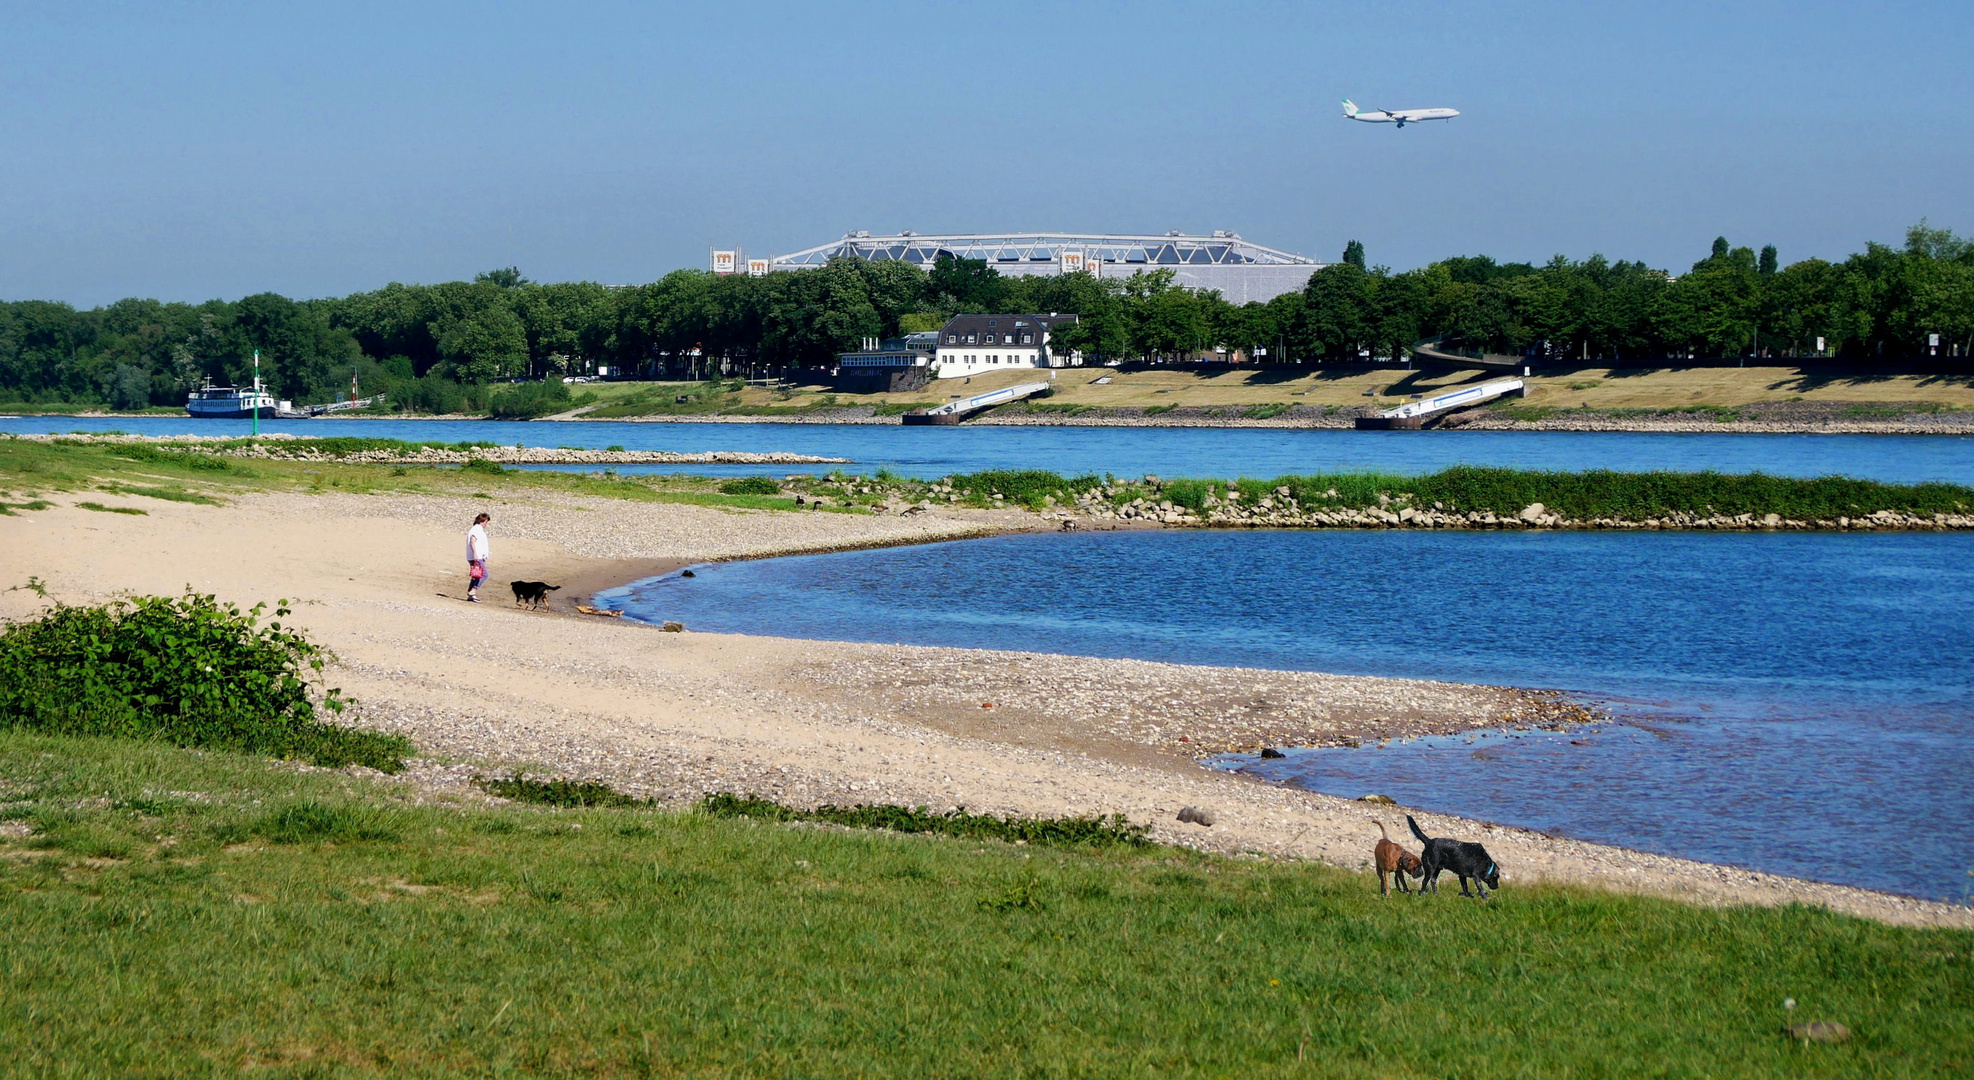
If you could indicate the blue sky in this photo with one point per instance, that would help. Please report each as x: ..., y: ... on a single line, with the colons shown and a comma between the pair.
x: 197, y: 150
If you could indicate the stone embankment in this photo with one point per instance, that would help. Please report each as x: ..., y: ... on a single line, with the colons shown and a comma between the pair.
x: 1280, y: 510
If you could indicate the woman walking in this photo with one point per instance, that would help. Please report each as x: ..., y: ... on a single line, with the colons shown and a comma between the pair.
x: 477, y: 551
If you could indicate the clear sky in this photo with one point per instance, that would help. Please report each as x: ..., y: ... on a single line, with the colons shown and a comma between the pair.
x: 196, y: 150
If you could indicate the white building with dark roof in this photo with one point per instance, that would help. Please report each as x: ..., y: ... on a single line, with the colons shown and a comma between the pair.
x: 1239, y: 270
x: 978, y: 344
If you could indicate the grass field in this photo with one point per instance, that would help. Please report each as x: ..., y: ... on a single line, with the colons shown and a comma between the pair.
x: 175, y: 913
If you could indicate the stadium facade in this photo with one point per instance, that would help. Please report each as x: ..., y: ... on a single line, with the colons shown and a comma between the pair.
x: 1240, y: 270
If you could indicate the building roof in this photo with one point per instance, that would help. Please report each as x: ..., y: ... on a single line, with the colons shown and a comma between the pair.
x: 1001, y: 324
x: 1222, y: 248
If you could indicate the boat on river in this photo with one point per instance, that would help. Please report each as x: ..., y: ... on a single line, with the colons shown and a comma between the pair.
x: 211, y: 402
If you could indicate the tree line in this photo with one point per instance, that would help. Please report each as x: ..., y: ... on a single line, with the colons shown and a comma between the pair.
x: 438, y: 347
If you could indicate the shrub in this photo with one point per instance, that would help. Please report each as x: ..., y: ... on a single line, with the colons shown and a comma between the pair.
x: 187, y: 670
x: 1113, y: 830
x: 750, y: 485
x: 1022, y: 485
x: 482, y: 465
x: 526, y: 401
x: 571, y: 793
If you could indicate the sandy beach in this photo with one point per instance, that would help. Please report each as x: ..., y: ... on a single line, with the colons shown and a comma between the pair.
x: 478, y: 688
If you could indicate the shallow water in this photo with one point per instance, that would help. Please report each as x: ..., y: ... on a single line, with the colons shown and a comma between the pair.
x: 1801, y: 703
x: 1221, y: 452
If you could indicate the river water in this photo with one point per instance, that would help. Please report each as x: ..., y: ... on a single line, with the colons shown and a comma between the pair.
x: 1800, y: 703
x: 1211, y: 452
x: 1790, y: 702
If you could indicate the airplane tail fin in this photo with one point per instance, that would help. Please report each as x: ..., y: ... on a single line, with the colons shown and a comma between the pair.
x: 1349, y: 107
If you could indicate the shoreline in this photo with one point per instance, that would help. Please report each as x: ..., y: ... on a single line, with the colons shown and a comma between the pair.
x: 675, y: 715
x: 1193, y: 416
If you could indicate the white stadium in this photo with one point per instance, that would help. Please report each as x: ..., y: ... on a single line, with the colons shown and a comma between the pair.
x: 1240, y: 270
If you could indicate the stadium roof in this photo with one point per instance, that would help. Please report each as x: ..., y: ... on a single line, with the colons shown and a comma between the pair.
x: 1021, y: 250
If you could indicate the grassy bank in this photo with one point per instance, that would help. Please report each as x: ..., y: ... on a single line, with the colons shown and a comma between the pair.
x: 30, y: 469
x: 1582, y: 495
x: 172, y: 912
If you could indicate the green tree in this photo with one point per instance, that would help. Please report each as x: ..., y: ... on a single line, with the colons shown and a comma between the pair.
x: 1353, y: 253
x: 482, y: 346
x: 1339, y: 312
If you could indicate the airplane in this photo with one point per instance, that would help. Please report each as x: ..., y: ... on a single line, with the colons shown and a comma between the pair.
x: 1401, y: 117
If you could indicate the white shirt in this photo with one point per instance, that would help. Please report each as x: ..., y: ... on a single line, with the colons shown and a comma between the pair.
x: 477, y: 546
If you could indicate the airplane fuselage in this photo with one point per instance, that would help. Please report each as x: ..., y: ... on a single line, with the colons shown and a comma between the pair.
x: 1402, y: 117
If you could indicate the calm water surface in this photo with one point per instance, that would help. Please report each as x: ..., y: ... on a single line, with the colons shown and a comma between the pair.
x: 1796, y: 703
x: 1263, y: 452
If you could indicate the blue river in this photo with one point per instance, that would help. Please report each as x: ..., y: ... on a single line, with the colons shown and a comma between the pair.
x: 1217, y: 452
x: 1799, y: 703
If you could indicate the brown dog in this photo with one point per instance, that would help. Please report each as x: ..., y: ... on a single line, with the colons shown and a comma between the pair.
x: 1395, y: 861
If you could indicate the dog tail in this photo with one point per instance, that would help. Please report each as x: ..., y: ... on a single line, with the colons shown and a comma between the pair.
x: 553, y: 588
x: 1423, y: 838
x: 1382, y: 832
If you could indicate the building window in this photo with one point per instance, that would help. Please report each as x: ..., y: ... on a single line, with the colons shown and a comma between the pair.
x: 952, y: 339
x: 1028, y: 339
x: 969, y: 339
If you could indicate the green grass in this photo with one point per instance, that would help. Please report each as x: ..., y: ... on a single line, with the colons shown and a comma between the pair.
x: 956, y: 822
x: 29, y: 468
x: 176, y: 913
x: 111, y: 509
x: 168, y: 494
x: 1267, y: 412
x: 1590, y: 494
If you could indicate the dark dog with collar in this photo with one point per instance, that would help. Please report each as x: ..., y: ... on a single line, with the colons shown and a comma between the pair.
x: 1465, y: 858
x: 533, y: 593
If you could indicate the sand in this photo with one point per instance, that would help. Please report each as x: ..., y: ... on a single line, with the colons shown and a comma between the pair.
x: 674, y: 715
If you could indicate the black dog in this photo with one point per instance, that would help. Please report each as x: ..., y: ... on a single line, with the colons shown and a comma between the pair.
x: 533, y: 593
x: 1464, y: 858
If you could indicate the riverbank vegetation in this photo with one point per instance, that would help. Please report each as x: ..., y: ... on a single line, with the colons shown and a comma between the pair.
x: 205, y: 472
x: 30, y: 469
x: 189, y: 671
x: 448, y: 348
x: 1507, y: 492
x: 174, y: 912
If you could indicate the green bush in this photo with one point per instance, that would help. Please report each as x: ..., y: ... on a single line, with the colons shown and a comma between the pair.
x: 1100, y: 831
x: 187, y: 670
x: 525, y: 401
x: 561, y: 792
x: 435, y: 394
x: 750, y: 485
x: 1022, y: 485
